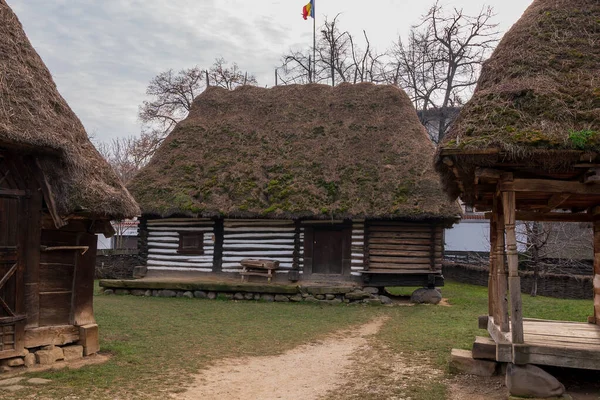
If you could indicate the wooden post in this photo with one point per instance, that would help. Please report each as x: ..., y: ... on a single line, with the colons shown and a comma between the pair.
x: 501, y: 278
x: 493, y: 277
x: 595, y: 212
x: 219, y: 231
x: 514, y: 282
x: 32, y: 270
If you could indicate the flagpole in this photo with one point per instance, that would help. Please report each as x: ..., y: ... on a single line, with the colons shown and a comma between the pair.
x: 314, y: 42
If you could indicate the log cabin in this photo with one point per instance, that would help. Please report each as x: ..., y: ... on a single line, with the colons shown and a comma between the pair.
x: 527, y: 147
x: 336, y: 184
x: 56, y: 192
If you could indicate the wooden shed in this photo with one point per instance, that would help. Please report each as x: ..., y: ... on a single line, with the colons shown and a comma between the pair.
x: 527, y: 147
x: 56, y: 192
x: 336, y: 184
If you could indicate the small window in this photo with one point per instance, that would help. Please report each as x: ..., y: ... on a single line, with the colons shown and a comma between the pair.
x: 191, y: 243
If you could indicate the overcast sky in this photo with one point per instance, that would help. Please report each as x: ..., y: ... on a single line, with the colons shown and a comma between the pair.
x: 102, y: 54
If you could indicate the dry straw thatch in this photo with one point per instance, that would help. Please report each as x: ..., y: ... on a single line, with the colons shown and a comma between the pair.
x: 35, y: 118
x: 540, y: 90
x: 352, y: 151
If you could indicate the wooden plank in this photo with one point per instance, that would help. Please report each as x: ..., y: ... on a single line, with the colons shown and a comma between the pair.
x: 403, y: 260
x: 549, y: 186
x: 557, y: 356
x: 398, y: 271
x: 503, y: 344
x: 403, y: 247
x: 52, y: 335
x: 555, y: 201
x: 55, y: 308
x: 425, y: 253
x: 49, y: 196
x: 514, y: 281
x: 553, y: 217
x: 83, y: 281
x: 375, y: 241
x: 596, y: 281
x: 401, y: 266
x: 471, y: 152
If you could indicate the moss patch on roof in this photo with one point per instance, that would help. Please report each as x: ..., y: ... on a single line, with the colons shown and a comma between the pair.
x: 541, y: 87
x: 296, y: 151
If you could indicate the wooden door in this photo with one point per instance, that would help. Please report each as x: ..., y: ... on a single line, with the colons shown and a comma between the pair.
x: 328, y: 251
x: 12, y: 315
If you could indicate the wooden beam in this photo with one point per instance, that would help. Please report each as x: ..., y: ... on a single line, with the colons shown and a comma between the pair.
x: 596, y: 211
x: 550, y: 217
x: 514, y: 282
x: 488, y: 173
x: 493, y: 276
x: 555, y: 201
x: 482, y: 152
x: 548, y: 186
x: 48, y: 196
x: 51, y: 335
x: 501, y: 275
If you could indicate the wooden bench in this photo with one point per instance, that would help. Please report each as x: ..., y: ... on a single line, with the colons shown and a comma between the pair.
x: 256, y: 267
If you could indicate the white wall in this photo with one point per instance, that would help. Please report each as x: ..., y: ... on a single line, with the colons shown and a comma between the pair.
x: 469, y: 235
x: 130, y: 229
x: 474, y: 235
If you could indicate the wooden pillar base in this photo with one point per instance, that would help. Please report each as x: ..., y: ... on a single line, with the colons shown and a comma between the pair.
x: 89, y: 339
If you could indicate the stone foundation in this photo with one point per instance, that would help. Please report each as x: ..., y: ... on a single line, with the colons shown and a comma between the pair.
x: 320, y: 295
x: 45, y: 355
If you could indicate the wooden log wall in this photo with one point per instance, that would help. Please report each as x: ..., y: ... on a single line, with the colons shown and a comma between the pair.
x: 358, y: 248
x: 264, y: 239
x: 143, y: 240
x: 596, y: 211
x: 403, y: 247
x: 163, y: 244
x: 56, y: 276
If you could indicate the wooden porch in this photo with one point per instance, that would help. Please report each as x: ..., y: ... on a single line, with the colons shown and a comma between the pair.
x: 547, y: 342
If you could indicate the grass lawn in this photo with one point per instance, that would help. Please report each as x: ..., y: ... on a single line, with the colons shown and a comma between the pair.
x: 156, y: 343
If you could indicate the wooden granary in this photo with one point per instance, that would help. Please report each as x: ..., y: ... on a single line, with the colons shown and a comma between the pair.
x: 527, y: 147
x: 336, y: 184
x: 56, y: 192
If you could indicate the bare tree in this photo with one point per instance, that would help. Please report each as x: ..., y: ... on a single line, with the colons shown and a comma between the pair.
x: 555, y: 247
x: 229, y: 76
x: 339, y: 59
x: 172, y: 94
x: 127, y: 155
x: 440, y: 62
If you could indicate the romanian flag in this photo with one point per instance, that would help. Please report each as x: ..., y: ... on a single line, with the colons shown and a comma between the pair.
x: 309, y: 10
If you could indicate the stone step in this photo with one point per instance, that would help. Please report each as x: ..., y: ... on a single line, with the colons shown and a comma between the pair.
x: 462, y: 361
x: 484, y: 348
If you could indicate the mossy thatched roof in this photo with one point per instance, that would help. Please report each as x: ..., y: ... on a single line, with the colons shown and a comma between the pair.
x: 34, y: 117
x: 352, y: 151
x: 540, y: 90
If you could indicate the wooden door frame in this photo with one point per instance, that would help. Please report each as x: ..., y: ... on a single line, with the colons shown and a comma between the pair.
x: 346, y: 228
x: 19, y: 319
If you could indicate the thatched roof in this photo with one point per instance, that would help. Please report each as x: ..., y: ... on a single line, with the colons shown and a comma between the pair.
x: 540, y: 90
x: 35, y: 118
x: 296, y: 151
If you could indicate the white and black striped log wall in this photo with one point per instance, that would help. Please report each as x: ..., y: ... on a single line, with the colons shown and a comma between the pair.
x: 394, y: 247
x: 264, y: 239
x: 163, y: 244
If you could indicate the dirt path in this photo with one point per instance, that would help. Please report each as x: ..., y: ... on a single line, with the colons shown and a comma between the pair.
x: 306, y: 372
